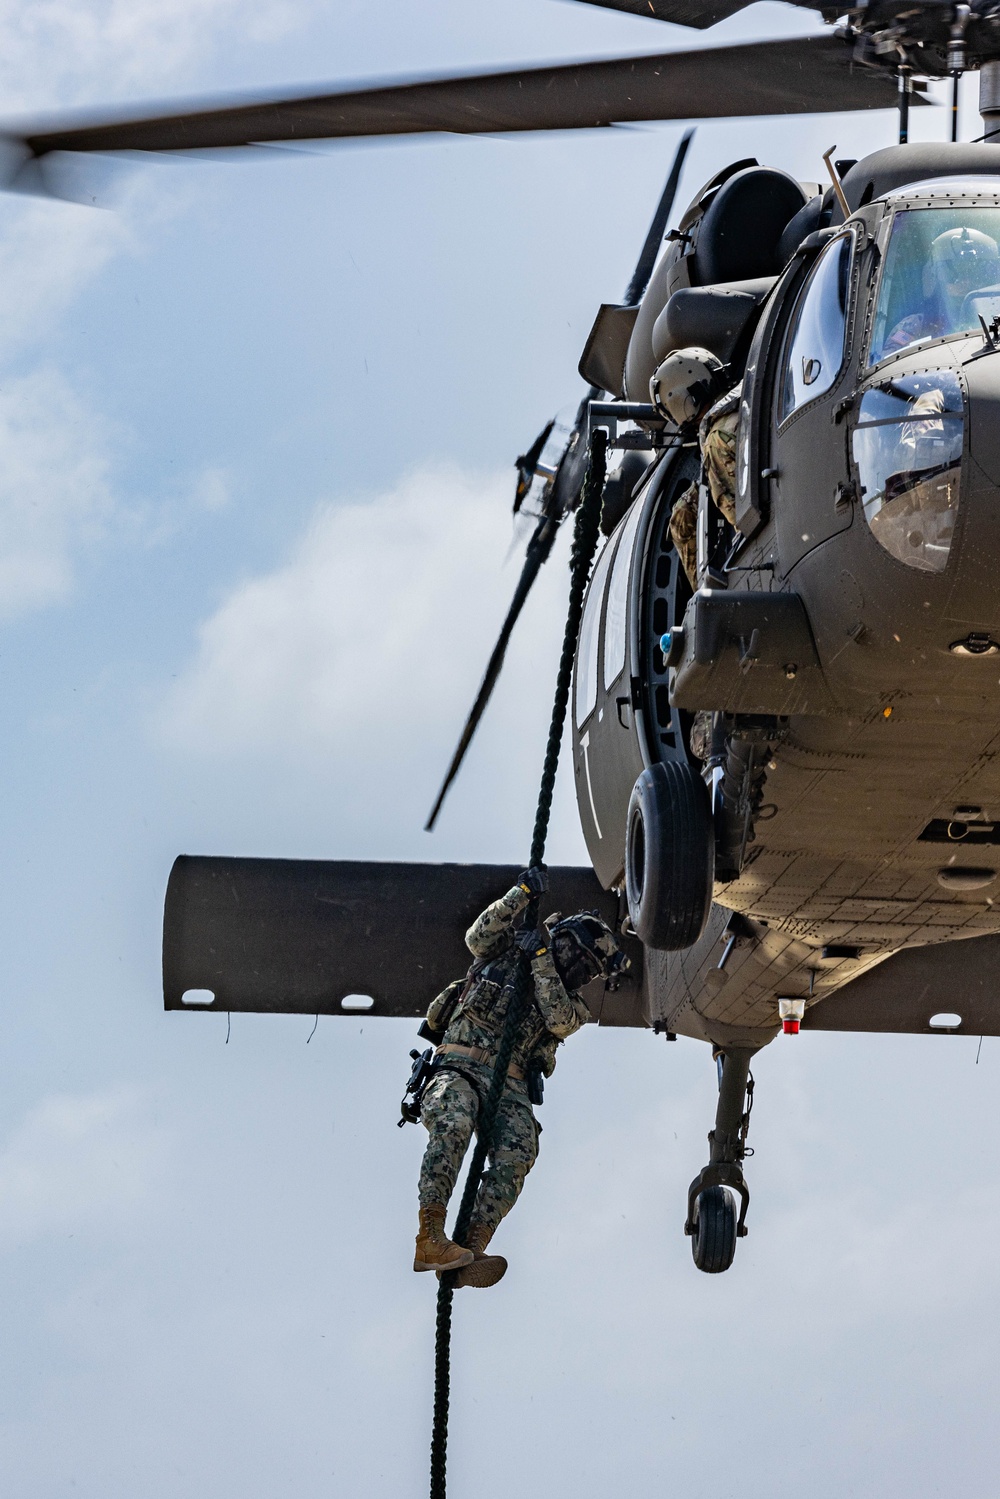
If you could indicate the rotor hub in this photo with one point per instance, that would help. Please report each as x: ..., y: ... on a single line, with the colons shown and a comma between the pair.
x: 932, y: 41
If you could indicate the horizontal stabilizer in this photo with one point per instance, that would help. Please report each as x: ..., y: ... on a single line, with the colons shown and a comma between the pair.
x: 323, y: 938
x: 908, y: 989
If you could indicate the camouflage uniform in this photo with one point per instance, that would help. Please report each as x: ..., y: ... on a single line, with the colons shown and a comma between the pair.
x: 684, y: 531
x: 452, y: 1102
x: 717, y: 436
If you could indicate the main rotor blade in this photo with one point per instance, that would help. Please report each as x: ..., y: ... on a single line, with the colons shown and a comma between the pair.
x: 657, y: 229
x: 539, y: 548
x: 800, y: 75
x: 698, y: 13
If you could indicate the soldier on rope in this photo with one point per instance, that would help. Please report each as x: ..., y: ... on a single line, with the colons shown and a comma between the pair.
x: 468, y: 1017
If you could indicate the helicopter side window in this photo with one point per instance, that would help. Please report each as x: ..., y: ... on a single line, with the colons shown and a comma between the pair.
x: 941, y: 275
x: 908, y: 449
x: 815, y: 349
x: 616, y: 617
x: 590, y: 634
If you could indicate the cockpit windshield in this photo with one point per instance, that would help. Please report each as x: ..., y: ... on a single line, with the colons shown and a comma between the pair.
x: 941, y: 275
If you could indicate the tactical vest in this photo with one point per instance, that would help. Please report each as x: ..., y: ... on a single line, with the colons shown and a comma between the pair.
x: 483, y: 1008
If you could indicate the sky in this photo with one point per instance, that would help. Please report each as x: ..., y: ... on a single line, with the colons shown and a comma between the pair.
x: 257, y: 425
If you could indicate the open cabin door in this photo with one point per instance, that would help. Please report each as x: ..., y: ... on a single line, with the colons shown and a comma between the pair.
x: 606, y: 758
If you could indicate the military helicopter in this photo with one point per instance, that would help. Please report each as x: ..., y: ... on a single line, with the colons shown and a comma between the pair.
x: 827, y: 855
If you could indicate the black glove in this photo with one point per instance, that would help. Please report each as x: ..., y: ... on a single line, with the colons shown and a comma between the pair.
x: 531, y: 941
x: 535, y: 880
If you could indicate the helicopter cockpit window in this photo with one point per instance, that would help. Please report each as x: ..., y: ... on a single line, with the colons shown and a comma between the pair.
x: 908, y: 449
x: 942, y: 273
x: 590, y: 634
x: 815, y: 348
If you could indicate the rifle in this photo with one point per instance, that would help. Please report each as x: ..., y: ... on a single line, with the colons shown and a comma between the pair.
x: 424, y: 1068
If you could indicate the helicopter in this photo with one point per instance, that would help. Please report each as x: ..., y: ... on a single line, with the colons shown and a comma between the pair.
x: 824, y: 856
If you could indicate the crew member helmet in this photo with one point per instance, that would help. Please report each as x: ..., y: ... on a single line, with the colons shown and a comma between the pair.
x: 584, y: 948
x: 961, y: 261
x: 686, y: 384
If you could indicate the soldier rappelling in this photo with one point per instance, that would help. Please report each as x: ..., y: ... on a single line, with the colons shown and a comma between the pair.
x: 466, y: 1020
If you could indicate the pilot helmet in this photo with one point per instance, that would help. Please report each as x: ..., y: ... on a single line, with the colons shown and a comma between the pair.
x: 584, y: 948
x: 686, y: 384
x: 962, y: 260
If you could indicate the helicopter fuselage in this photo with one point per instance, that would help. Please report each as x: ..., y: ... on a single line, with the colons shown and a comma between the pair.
x: 850, y: 631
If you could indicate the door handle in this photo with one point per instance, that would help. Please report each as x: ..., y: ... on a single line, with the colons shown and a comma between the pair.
x: 626, y: 703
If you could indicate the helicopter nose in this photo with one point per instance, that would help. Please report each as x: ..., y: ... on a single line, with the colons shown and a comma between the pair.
x: 974, y: 599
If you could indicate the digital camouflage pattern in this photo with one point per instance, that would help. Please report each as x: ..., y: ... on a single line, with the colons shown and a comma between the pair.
x: 717, y: 435
x: 478, y: 1020
x: 451, y: 1110
x: 454, y: 1098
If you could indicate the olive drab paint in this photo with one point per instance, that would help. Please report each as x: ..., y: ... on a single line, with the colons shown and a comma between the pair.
x: 844, y: 629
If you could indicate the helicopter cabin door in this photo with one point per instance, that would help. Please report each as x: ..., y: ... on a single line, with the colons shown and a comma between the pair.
x: 808, y: 466
x: 607, y: 758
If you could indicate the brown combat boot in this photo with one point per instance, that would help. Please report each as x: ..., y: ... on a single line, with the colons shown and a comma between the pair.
x: 486, y: 1269
x: 434, y: 1250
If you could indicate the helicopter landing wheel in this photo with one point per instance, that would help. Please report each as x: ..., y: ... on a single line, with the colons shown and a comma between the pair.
x: 669, y: 856
x: 713, y: 1241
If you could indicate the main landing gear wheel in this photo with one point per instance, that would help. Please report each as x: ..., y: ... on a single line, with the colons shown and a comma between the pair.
x: 713, y: 1243
x: 669, y: 856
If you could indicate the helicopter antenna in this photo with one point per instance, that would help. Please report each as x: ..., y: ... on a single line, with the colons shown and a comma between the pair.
x: 835, y: 179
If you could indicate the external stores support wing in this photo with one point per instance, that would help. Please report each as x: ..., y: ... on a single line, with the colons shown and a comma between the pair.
x: 299, y: 937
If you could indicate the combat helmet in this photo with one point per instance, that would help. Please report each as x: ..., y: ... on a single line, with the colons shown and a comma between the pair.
x: 585, y: 948
x: 686, y: 384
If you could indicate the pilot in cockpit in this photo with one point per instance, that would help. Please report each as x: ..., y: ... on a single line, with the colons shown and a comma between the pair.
x: 959, y: 262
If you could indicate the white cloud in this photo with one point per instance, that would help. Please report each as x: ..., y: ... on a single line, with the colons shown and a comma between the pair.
x: 374, y: 631
x: 76, y: 1162
x: 54, y: 494
x: 54, y: 52
x: 49, y: 251
x: 212, y: 490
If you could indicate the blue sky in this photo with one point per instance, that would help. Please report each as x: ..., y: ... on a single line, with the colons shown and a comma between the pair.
x: 256, y: 433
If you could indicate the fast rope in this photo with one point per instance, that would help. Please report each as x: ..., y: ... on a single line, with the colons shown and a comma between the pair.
x: 585, y: 535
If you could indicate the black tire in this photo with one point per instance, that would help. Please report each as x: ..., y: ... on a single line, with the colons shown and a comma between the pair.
x: 669, y: 856
x: 713, y: 1243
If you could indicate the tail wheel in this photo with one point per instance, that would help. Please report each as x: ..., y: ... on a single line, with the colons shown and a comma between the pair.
x: 713, y: 1243
x: 669, y: 856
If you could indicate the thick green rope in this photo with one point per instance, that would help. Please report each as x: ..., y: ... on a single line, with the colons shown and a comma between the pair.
x: 585, y: 535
